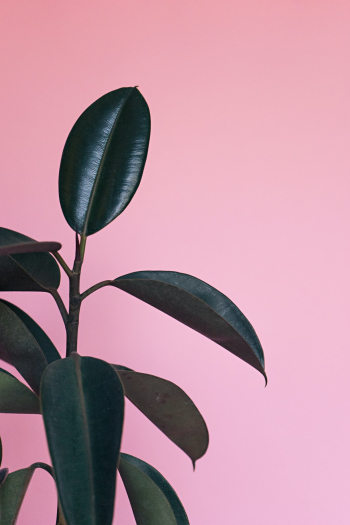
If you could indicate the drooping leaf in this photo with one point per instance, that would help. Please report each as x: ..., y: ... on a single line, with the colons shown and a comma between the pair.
x: 15, y: 397
x: 103, y: 160
x: 82, y: 402
x: 13, y: 490
x: 199, y: 306
x: 19, y: 348
x: 153, y: 500
x: 169, y: 408
x: 21, y: 272
x: 30, y: 247
x: 48, y: 348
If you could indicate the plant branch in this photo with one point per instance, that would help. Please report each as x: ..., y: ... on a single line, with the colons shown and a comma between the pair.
x: 63, y: 263
x: 94, y: 288
x: 60, y: 304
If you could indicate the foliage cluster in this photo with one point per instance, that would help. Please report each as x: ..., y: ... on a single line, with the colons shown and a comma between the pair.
x: 81, y: 399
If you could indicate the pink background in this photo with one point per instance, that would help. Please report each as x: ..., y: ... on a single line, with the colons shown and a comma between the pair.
x: 246, y: 187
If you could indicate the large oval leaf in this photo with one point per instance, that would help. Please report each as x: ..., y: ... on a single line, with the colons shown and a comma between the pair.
x: 15, y: 397
x: 82, y: 402
x: 153, y: 500
x: 199, y: 306
x: 103, y: 160
x: 19, y: 347
x: 33, y: 271
x: 169, y: 408
x: 48, y: 348
x: 14, y: 489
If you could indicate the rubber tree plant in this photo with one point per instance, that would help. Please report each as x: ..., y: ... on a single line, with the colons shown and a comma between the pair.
x: 81, y: 399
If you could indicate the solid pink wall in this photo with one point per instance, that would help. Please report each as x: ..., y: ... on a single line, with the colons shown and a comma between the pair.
x: 246, y: 187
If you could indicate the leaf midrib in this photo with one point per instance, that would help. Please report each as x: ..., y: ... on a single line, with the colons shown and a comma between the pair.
x: 102, y: 162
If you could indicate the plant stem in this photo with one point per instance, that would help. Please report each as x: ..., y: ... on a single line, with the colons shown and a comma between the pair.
x: 60, y: 304
x: 94, y: 288
x: 75, y: 299
x: 62, y: 263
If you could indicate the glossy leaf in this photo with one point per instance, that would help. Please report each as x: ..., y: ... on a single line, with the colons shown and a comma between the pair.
x: 169, y: 408
x: 15, y: 397
x: 199, y: 306
x: 37, y: 272
x: 82, y: 402
x: 19, y: 347
x: 13, y: 490
x: 103, y: 160
x: 30, y: 247
x: 153, y: 500
x: 48, y: 348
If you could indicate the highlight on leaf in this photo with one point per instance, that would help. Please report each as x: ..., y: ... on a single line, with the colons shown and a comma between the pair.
x: 103, y: 160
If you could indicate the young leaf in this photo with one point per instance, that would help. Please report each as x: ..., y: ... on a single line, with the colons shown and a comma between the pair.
x: 21, y: 272
x: 169, y: 408
x: 153, y: 500
x: 199, y: 306
x: 103, y: 160
x: 15, y: 397
x: 19, y: 347
x: 13, y: 490
x: 82, y: 402
x: 45, y: 343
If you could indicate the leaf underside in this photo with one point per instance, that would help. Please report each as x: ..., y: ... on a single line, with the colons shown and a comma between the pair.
x: 169, y: 408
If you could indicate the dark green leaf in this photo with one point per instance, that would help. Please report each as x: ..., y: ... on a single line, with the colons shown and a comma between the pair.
x: 169, y: 408
x: 45, y: 343
x: 3, y: 475
x: 30, y: 247
x: 82, y: 402
x: 15, y: 397
x: 37, y: 272
x: 199, y: 306
x: 153, y: 500
x: 103, y: 160
x: 13, y: 490
x: 19, y: 347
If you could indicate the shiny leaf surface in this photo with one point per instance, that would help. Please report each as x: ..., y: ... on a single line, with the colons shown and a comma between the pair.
x: 153, y: 500
x: 15, y: 397
x: 19, y: 347
x: 199, y: 306
x: 82, y: 402
x: 48, y: 348
x: 103, y: 160
x: 169, y: 408
x: 13, y: 490
x: 37, y: 272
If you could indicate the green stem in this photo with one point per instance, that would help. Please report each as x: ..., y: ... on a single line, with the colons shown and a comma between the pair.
x: 63, y: 263
x: 94, y: 288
